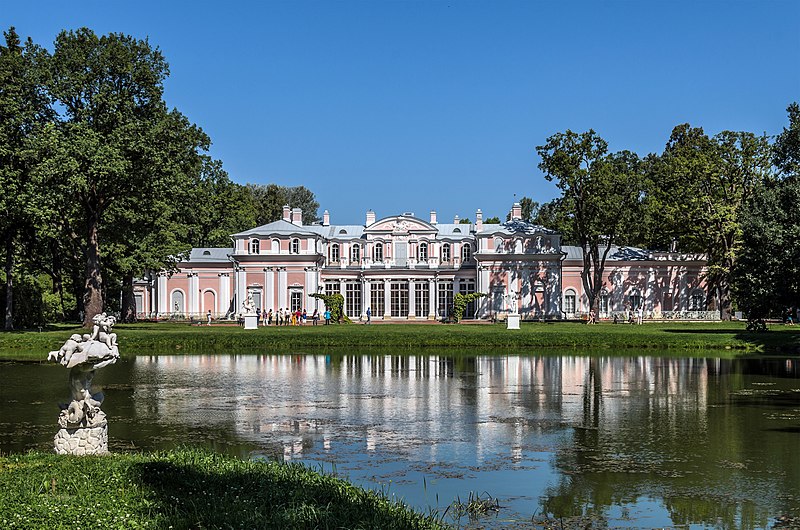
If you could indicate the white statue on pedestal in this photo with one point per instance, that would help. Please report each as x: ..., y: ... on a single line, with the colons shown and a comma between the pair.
x: 84, y: 429
x: 512, y: 301
x: 249, y: 306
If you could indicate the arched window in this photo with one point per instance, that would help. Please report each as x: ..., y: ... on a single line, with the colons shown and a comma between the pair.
x: 466, y: 252
x: 378, y: 252
x: 498, y: 244
x: 276, y: 246
x: 570, y: 302
x: 446, y: 252
x: 422, y: 252
x: 294, y: 248
x: 635, y: 300
x: 255, y: 246
x: 697, y: 300
x: 355, y: 253
x: 334, y: 253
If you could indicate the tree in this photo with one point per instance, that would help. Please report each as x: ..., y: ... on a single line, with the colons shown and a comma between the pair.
x: 698, y: 189
x: 600, y: 201
x: 492, y: 221
x: 24, y: 107
x: 766, y: 276
x: 464, y: 221
x: 100, y: 152
x: 270, y: 199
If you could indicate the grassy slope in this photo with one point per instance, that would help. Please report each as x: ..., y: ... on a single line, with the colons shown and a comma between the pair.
x: 168, y: 338
x: 186, y: 489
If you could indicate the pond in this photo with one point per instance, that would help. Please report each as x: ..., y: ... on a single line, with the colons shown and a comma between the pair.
x: 635, y: 441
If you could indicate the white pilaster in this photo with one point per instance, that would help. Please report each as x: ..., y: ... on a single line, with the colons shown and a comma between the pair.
x: 269, y: 288
x: 366, y: 295
x: 194, y: 294
x: 282, y: 288
x: 163, y: 295
x: 224, y: 298
x: 412, y: 302
x: 241, y: 289
x: 387, y: 299
x: 433, y: 303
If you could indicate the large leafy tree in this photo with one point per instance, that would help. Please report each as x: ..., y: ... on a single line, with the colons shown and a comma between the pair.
x: 270, y: 199
x: 24, y: 107
x: 101, y: 153
x: 699, y: 187
x: 601, y: 197
x: 766, y: 276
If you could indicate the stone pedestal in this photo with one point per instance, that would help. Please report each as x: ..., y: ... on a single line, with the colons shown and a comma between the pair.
x: 250, y: 322
x: 82, y: 441
x: 512, y: 322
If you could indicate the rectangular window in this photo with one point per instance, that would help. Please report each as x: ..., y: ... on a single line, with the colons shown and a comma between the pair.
x: 468, y: 287
x: 445, y: 304
x: 376, y: 299
x: 569, y: 304
x: 422, y: 296
x: 296, y: 301
x: 353, y: 299
x: 604, y: 304
x: 399, y: 299
x: 332, y: 288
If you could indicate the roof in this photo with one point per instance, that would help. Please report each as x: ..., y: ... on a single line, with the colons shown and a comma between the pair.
x: 280, y: 227
x: 614, y: 254
x: 339, y: 231
x: 210, y: 254
x: 454, y: 230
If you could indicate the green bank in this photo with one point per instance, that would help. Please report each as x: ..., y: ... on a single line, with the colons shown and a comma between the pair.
x: 186, y: 489
x: 669, y: 338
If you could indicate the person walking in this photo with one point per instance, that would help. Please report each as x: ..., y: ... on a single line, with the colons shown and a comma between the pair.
x: 304, y: 317
x: 269, y: 317
x: 208, y: 318
x: 315, y: 317
x: 327, y: 316
x: 258, y: 316
x: 369, y: 316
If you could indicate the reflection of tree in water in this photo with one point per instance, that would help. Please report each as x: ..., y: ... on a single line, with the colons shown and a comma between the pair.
x: 699, y: 434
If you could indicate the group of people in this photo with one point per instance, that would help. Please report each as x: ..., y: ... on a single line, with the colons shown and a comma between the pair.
x: 286, y: 317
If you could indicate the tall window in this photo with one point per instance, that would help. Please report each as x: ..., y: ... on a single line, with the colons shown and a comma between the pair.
x: 355, y: 254
x: 296, y: 301
x: 276, y: 246
x: 353, y: 299
x: 422, y: 296
x: 697, y: 301
x: 399, y: 298
x: 334, y: 253
x: 466, y: 252
x: 422, y: 252
x: 635, y: 300
x: 378, y: 252
x: 377, y: 301
x: 445, y: 298
x: 295, y: 246
x: 255, y: 246
x: 604, y: 303
x: 467, y: 287
x: 570, y: 302
x: 445, y: 252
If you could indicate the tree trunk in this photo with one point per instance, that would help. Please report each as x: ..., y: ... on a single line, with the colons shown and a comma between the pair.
x: 58, y: 277
x: 128, y: 309
x: 9, y: 325
x: 93, y: 296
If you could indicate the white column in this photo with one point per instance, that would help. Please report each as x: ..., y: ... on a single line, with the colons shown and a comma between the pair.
x: 432, y: 301
x: 311, y: 286
x: 224, y: 298
x: 163, y: 295
x: 241, y: 289
x: 282, y: 286
x: 412, y: 302
x: 194, y: 294
x: 387, y: 299
x: 269, y: 288
x: 366, y: 295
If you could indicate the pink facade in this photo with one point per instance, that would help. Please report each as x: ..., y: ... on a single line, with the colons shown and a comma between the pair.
x: 404, y: 267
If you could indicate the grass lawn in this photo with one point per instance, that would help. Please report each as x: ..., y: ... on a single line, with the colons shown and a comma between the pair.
x: 677, y: 338
x: 186, y: 489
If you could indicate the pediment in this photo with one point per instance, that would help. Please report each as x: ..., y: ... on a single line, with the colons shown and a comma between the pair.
x: 400, y: 224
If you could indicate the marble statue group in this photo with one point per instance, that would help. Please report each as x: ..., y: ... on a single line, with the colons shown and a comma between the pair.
x: 83, y: 426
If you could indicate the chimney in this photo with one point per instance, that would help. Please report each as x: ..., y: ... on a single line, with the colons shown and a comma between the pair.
x: 297, y: 216
x: 326, y: 218
x: 287, y: 213
x: 370, y: 217
x: 455, y: 220
x: 478, y: 220
x: 516, y: 211
x: 433, y: 217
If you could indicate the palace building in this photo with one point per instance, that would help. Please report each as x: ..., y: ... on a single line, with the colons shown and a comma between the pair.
x: 406, y: 268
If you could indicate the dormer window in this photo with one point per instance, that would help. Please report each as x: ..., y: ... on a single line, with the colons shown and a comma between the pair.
x: 456, y: 230
x: 206, y: 253
x: 294, y: 247
x: 255, y: 246
x: 342, y: 231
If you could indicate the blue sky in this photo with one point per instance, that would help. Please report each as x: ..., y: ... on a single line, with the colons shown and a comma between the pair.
x: 413, y: 106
